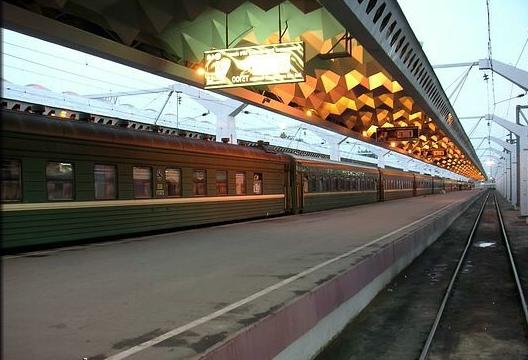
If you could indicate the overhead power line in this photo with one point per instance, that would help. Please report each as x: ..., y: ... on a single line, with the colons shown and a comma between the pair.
x: 54, y: 77
x: 511, y: 87
x: 106, y: 70
x: 490, y: 54
x: 460, y: 85
x: 68, y: 72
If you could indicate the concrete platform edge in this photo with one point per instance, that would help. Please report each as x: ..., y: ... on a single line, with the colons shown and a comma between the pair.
x: 311, y: 321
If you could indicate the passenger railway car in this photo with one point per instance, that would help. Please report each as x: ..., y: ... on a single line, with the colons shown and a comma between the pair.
x: 423, y: 184
x: 69, y: 181
x: 322, y: 185
x: 396, y: 184
x: 66, y: 181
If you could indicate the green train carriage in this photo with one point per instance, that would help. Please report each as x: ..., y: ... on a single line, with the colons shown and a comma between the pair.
x: 65, y: 182
x: 326, y: 184
x: 73, y: 181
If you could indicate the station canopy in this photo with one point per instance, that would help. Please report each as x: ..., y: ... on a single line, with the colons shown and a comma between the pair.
x: 364, y: 68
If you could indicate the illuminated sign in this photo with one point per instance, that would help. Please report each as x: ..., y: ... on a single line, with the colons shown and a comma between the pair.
x: 438, y: 152
x: 397, y: 133
x: 254, y: 65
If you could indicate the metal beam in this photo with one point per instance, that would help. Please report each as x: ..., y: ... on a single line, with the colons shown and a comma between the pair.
x: 464, y: 64
x: 515, y: 75
x: 522, y: 157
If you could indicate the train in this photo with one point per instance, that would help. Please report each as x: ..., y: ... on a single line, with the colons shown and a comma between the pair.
x: 67, y: 182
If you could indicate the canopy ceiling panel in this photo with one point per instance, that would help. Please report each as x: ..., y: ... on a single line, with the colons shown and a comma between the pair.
x: 346, y: 85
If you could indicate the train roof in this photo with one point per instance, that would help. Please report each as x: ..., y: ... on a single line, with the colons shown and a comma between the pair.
x: 30, y: 123
x: 316, y: 162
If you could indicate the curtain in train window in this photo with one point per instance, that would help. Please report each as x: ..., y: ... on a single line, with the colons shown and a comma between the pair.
x: 11, y: 184
x: 320, y: 184
x: 142, y: 182
x: 306, y: 185
x: 326, y: 184
x: 221, y: 182
x: 313, y: 184
x: 341, y: 183
x: 173, y: 180
x: 240, y: 183
x: 348, y: 185
x: 59, y: 180
x: 257, y: 183
x: 199, y: 182
x: 105, y: 182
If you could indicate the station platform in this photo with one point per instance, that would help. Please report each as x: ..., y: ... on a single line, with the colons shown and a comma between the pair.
x: 275, y: 288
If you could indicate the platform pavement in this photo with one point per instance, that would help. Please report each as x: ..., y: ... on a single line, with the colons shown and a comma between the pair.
x: 188, y: 291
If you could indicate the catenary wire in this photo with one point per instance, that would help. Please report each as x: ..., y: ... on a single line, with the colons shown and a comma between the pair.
x: 84, y: 63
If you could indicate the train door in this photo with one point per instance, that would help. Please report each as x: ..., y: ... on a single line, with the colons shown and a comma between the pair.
x: 381, y: 186
x: 294, y: 191
x: 302, y: 182
x: 288, y: 201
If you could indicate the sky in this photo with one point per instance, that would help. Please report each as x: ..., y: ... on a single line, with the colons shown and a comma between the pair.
x: 456, y: 31
x: 451, y: 31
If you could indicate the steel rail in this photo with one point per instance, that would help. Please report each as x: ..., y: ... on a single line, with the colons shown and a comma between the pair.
x: 512, y: 261
x: 428, y: 342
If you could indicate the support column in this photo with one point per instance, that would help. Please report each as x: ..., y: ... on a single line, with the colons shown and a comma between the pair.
x: 503, y: 165
x: 522, y: 133
x: 226, y: 129
x: 333, y: 145
x: 511, y: 158
x: 407, y: 164
x: 334, y: 150
x: 381, y: 158
x: 226, y: 125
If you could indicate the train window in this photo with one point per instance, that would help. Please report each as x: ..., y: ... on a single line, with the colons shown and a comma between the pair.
x: 199, y: 182
x: 306, y: 185
x: 340, y: 184
x: 173, y: 180
x: 257, y: 183
x: 313, y: 183
x: 11, y: 184
x: 105, y: 181
x: 142, y: 182
x: 333, y: 184
x: 221, y: 182
x: 326, y: 184
x: 240, y: 183
x: 59, y: 180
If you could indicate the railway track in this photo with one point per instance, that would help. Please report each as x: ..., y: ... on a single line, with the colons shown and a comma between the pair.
x: 484, y: 299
